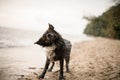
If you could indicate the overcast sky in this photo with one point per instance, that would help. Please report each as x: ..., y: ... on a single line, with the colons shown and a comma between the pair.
x: 65, y: 15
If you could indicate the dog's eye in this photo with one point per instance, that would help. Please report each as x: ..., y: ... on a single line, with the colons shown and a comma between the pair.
x: 49, y: 35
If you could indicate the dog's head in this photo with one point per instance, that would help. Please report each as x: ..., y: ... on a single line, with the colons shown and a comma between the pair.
x: 49, y: 37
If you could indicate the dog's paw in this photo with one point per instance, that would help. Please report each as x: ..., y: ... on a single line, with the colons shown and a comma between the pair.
x: 41, y: 77
x: 67, y: 71
x: 61, y: 78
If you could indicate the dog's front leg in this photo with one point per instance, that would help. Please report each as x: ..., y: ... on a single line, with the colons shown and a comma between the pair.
x: 61, y: 77
x: 50, y: 69
x: 45, y: 69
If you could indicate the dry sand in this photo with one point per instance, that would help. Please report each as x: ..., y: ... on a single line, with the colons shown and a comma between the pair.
x: 98, y: 59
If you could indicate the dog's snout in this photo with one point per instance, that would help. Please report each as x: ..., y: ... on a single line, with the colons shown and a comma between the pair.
x: 36, y: 43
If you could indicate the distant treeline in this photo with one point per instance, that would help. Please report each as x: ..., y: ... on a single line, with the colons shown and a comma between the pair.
x: 106, y: 25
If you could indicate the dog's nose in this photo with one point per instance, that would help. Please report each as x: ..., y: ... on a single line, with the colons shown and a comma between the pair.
x: 35, y: 42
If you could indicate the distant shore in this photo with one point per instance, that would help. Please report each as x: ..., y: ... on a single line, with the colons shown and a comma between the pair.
x: 97, y: 59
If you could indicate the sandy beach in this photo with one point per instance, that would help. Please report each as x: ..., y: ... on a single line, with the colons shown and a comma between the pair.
x: 97, y: 59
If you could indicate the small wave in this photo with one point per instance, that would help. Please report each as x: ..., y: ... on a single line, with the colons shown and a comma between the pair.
x: 10, y: 38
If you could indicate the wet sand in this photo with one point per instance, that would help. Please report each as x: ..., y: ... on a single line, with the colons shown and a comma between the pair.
x: 97, y: 59
x: 20, y: 61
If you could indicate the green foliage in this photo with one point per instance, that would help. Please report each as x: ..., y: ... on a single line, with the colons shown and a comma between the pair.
x: 106, y: 25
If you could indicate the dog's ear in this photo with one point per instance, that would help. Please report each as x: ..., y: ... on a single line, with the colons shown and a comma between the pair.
x: 51, y: 26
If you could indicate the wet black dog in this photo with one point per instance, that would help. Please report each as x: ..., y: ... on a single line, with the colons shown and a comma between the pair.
x: 57, y: 48
x: 66, y: 57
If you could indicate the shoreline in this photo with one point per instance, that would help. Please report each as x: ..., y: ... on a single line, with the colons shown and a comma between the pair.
x: 19, y: 61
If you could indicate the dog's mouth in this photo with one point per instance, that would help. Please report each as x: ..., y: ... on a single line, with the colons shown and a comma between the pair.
x: 43, y: 44
x: 38, y: 43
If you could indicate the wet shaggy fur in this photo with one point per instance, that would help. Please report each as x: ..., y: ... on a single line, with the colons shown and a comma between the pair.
x: 57, y: 48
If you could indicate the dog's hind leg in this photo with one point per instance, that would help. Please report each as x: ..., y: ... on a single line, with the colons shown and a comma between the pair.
x: 61, y: 77
x: 45, y: 69
x: 50, y: 69
x: 67, y: 59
